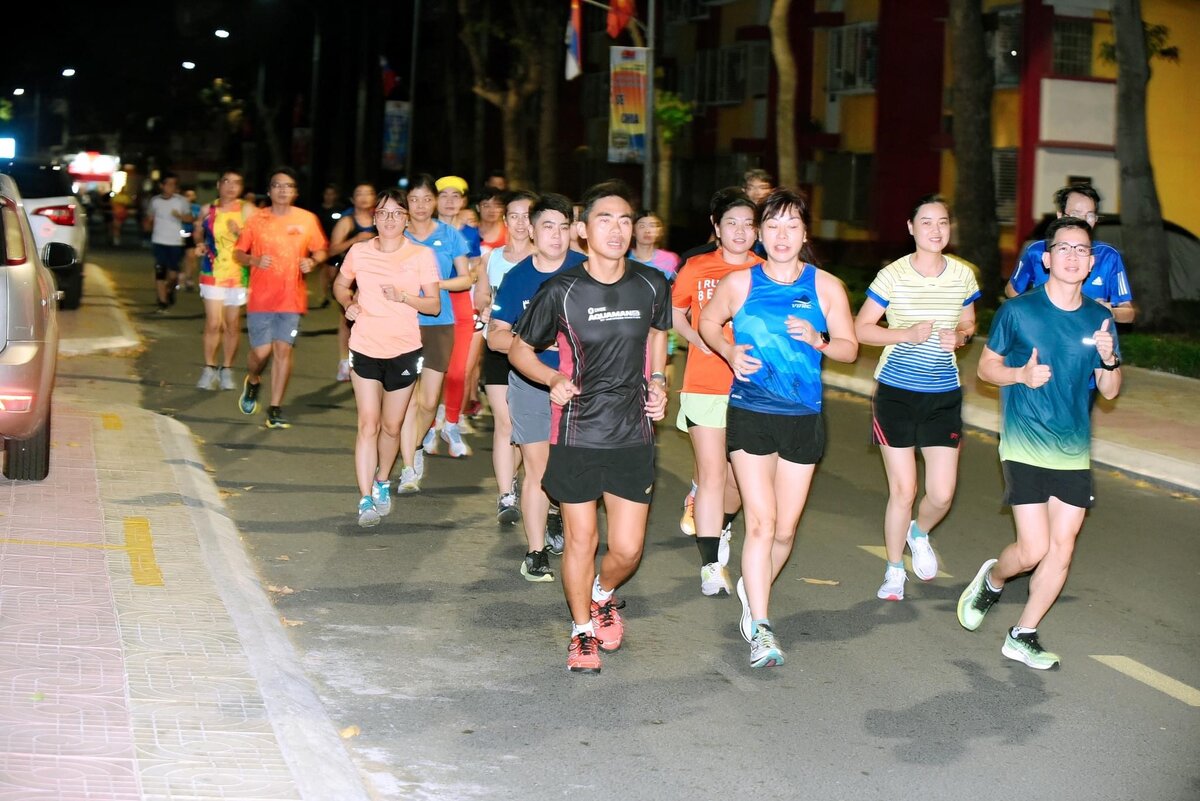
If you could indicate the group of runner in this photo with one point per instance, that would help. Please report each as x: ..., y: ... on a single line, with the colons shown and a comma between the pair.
x: 570, y: 307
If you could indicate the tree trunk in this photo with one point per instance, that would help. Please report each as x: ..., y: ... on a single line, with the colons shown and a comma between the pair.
x: 785, y: 101
x: 547, y: 134
x: 1143, y: 238
x: 516, y: 164
x: 974, y: 183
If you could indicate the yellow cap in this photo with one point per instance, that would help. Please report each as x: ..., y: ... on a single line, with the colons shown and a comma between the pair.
x: 451, y: 182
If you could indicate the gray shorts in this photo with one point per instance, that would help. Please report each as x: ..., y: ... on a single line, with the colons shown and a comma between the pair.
x: 529, y: 408
x: 267, y: 327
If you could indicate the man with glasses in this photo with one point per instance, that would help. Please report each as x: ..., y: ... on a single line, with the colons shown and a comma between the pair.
x: 281, y: 244
x: 1107, y: 284
x: 1044, y: 351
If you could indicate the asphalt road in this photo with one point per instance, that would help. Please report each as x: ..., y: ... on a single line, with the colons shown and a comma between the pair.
x: 422, y: 633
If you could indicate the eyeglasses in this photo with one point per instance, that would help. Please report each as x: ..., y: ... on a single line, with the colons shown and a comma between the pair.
x: 1088, y: 216
x: 1066, y: 249
x: 283, y: 186
x: 394, y: 214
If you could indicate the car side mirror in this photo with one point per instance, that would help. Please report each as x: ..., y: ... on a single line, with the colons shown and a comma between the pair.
x: 58, y: 254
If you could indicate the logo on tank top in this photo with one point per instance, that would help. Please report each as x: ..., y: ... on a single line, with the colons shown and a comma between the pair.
x: 603, y: 315
x: 802, y: 302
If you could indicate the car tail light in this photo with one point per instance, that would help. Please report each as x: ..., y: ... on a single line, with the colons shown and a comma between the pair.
x: 15, y: 403
x: 59, y: 215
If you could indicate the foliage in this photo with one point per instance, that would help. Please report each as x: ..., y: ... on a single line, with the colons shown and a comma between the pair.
x: 672, y: 115
x: 1157, y: 37
x: 6, y: 110
x: 1170, y: 353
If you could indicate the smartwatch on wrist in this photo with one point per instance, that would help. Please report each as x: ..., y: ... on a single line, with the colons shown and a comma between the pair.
x: 1110, y: 367
x: 823, y: 340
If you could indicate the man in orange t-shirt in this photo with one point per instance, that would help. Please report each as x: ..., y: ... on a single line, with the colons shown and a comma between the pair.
x: 281, y: 244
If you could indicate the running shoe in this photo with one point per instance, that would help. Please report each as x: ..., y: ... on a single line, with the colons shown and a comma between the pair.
x: 924, y: 560
x: 409, y: 482
x: 464, y: 425
x: 275, y: 418
x: 583, y: 654
x: 507, y: 511
x: 687, y: 522
x: 473, y: 409
x: 892, y: 588
x: 1026, y: 648
x: 430, y: 443
x: 225, y: 378
x: 381, y: 495
x: 714, y: 579
x: 764, y: 649
x: 976, y: 599
x: 368, y: 515
x: 419, y: 463
x: 439, y: 417
x: 248, y: 401
x: 208, y: 378
x: 536, y: 566
x: 746, y: 619
x: 610, y: 626
x: 343, y: 370
x: 453, y: 437
x: 723, y: 545
x: 555, y: 540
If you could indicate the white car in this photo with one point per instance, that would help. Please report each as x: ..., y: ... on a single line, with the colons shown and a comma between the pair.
x: 56, y: 214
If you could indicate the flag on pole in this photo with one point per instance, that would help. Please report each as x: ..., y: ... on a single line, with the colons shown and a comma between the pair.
x: 619, y: 14
x: 574, y: 37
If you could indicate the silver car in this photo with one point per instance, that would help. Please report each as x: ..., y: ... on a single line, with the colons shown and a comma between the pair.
x: 29, y: 344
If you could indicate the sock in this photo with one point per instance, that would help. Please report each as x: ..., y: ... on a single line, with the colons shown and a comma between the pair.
x: 708, y: 549
x: 915, y: 532
x: 599, y: 594
x: 899, y: 564
x: 729, y: 518
x: 211, y: 366
x: 987, y: 580
x: 586, y: 628
x: 694, y: 488
x: 1017, y: 631
x: 756, y: 623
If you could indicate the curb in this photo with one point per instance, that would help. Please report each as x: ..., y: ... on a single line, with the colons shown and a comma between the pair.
x: 128, y: 337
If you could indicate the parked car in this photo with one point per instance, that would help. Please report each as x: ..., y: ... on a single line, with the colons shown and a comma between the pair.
x: 56, y: 214
x: 28, y: 337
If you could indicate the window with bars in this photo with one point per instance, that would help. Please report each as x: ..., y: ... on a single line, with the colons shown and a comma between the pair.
x: 727, y: 76
x: 852, y: 59
x: 1004, y: 171
x: 1004, y: 46
x: 1073, y: 47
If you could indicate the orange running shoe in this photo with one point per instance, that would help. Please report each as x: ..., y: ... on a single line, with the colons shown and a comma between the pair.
x: 610, y: 628
x: 583, y: 654
x: 687, y: 521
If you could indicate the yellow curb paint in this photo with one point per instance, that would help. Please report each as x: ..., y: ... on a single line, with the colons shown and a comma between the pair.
x: 881, y: 552
x: 139, y: 545
x: 111, y: 422
x: 1149, y: 676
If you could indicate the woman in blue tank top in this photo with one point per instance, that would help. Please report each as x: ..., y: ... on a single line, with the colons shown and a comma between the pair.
x: 787, y: 314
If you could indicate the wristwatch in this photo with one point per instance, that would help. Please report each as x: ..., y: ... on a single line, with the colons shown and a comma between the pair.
x: 824, y: 341
x: 1110, y: 367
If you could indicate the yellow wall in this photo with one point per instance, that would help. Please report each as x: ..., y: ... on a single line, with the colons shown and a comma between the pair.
x: 1173, y: 112
x: 861, y: 11
x: 858, y: 123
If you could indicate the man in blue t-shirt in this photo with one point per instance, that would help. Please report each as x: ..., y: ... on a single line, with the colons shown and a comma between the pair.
x: 1107, y: 283
x: 1045, y: 349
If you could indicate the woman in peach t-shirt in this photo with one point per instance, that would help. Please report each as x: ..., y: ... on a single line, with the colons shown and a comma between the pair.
x: 397, y: 279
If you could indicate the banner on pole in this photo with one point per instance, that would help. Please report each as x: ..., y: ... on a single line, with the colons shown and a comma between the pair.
x: 627, y: 105
x: 396, y: 119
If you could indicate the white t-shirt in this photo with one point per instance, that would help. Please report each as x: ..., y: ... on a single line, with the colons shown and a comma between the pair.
x: 166, y: 225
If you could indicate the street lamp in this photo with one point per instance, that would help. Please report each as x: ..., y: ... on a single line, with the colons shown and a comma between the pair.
x: 18, y: 92
x: 69, y: 72
x: 189, y: 65
x: 221, y: 33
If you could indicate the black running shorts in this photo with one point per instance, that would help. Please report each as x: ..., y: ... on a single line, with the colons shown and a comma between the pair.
x: 579, y: 475
x: 395, y: 373
x: 901, y: 418
x: 1026, y: 483
x: 798, y: 438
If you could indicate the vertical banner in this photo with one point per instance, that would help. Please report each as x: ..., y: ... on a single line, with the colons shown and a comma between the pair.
x: 397, y: 116
x: 627, y: 105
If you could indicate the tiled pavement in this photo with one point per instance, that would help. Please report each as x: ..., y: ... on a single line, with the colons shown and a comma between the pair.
x: 122, y: 674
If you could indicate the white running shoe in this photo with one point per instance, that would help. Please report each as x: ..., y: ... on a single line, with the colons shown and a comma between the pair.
x: 723, y: 546
x: 208, y: 378
x: 226, y: 378
x: 381, y: 496
x: 893, y: 584
x: 409, y: 482
x: 430, y: 444
x: 453, y: 438
x: 419, y: 464
x: 924, y: 560
x: 747, y: 619
x: 343, y: 371
x: 368, y: 515
x: 714, y: 579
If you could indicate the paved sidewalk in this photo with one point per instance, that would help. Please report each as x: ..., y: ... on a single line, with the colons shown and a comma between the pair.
x: 139, y: 656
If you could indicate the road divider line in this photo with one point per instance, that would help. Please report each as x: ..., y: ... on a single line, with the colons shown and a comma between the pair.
x: 881, y: 552
x: 1151, y: 677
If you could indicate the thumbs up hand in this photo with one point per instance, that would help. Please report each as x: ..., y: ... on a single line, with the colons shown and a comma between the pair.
x: 1034, y: 375
x: 1104, y: 342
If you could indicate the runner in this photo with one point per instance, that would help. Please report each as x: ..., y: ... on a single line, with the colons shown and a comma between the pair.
x: 609, y: 317
x: 281, y: 244
x: 437, y: 331
x: 787, y: 314
x: 165, y: 214
x: 396, y: 280
x: 929, y: 299
x: 647, y: 236
x: 187, y: 232
x: 529, y: 403
x: 223, y: 280
x: 329, y: 212
x: 704, y: 398
x: 493, y: 235
x: 495, y: 363
x: 356, y: 224
x: 1045, y: 350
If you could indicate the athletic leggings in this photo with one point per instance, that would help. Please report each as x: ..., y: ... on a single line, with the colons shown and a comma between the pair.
x: 455, y: 387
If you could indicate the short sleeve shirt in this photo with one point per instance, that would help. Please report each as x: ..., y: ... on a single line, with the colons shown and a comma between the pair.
x: 385, y: 328
x: 518, y: 288
x: 705, y: 373
x: 602, y: 332
x: 1107, y: 281
x: 447, y: 244
x: 1049, y: 426
x: 167, y: 227
x: 909, y: 298
x: 287, y: 239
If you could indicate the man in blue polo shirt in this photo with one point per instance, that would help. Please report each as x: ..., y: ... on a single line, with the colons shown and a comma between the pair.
x: 1107, y: 283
